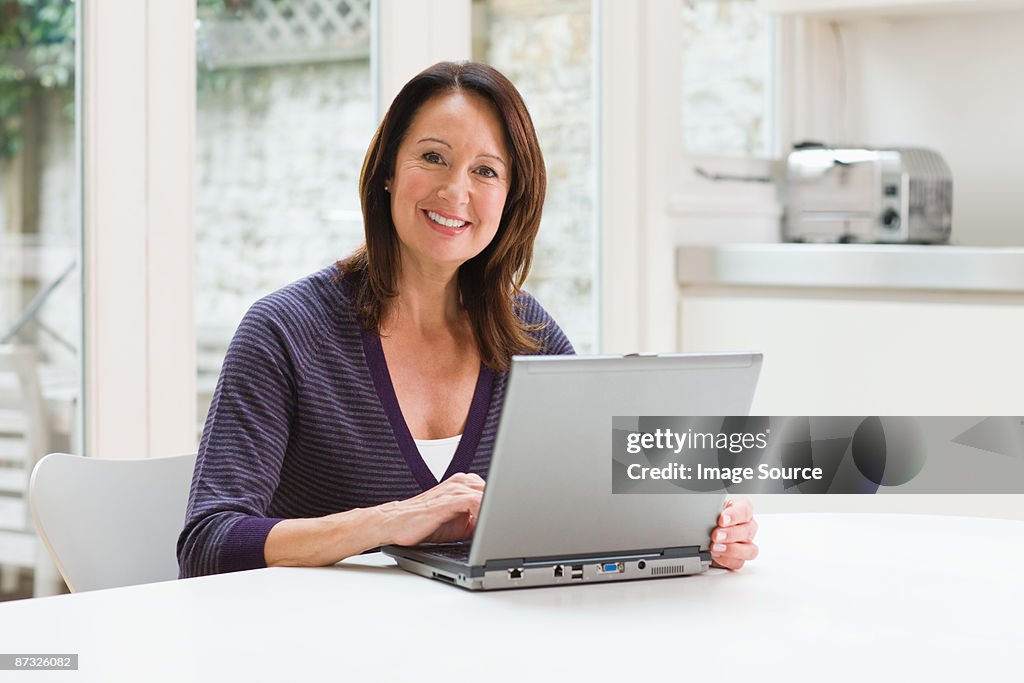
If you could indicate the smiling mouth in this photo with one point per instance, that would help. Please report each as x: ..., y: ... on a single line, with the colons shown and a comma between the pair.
x: 449, y: 223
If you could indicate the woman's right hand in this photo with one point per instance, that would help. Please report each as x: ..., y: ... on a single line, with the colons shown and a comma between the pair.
x: 447, y: 512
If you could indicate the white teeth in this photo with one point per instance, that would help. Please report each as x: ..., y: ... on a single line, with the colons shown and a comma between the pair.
x: 446, y: 222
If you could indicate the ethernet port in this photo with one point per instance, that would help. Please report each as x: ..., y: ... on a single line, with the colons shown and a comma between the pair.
x: 559, y: 571
x: 516, y: 573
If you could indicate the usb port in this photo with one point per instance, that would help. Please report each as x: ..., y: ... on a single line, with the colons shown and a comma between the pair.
x: 577, y: 571
x: 611, y: 568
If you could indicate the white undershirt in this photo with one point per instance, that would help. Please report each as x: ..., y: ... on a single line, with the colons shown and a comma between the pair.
x: 438, y: 453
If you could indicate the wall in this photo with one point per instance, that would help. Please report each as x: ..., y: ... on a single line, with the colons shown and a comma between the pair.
x: 952, y: 83
x: 278, y: 153
x: 545, y: 49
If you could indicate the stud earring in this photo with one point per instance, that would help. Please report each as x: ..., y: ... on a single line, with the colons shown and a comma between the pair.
x: 386, y: 188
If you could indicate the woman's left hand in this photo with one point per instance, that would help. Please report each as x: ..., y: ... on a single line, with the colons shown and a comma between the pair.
x: 732, y: 541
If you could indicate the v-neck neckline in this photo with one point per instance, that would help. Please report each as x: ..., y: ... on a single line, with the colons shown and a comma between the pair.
x: 378, y: 366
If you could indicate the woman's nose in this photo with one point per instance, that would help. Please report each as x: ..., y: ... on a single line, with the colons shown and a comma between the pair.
x: 455, y: 189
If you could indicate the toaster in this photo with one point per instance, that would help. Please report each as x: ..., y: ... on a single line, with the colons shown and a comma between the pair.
x: 859, y: 194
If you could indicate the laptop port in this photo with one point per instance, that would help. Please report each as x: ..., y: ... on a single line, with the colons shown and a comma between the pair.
x: 610, y: 568
x: 515, y: 573
x: 559, y: 570
x: 641, y: 565
x: 577, y: 571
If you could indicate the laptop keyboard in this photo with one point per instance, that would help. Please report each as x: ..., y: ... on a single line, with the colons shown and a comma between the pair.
x: 458, y: 553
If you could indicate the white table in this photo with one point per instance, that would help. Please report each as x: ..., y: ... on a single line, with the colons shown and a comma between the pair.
x: 841, y: 597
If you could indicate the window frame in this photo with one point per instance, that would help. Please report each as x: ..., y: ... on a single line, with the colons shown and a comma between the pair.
x: 136, y: 109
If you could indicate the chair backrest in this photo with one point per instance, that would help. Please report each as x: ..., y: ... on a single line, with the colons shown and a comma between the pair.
x: 109, y: 523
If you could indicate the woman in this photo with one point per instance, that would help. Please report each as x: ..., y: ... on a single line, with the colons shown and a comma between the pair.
x: 346, y: 397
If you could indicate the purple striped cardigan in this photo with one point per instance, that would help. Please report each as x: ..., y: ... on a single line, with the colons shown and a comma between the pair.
x: 304, y: 423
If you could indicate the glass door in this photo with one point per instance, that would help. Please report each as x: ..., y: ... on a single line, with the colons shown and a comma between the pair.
x: 547, y: 50
x: 40, y: 281
x: 285, y: 111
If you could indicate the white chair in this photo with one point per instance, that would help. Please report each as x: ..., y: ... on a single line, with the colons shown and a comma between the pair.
x: 110, y: 523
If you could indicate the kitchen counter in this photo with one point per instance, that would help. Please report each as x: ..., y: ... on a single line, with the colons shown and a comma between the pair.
x: 861, y: 266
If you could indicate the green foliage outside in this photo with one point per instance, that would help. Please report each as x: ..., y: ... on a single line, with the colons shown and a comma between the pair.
x: 36, y: 53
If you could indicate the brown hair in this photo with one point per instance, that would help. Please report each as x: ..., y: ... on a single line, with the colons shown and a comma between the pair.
x: 490, y: 282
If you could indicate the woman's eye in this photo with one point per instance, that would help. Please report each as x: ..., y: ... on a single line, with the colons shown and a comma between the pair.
x: 487, y: 172
x: 433, y: 158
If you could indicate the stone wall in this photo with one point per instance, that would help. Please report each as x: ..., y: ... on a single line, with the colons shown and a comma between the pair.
x: 545, y: 49
x: 727, y: 77
x: 278, y: 154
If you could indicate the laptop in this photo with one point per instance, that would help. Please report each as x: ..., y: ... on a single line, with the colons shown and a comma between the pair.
x: 548, y: 515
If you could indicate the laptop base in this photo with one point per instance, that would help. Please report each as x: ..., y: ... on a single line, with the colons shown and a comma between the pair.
x: 547, y: 573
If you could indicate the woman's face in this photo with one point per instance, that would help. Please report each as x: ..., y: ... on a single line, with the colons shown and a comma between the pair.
x: 450, y: 183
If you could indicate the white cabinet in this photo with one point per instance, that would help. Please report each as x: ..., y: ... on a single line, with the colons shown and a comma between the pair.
x: 863, y: 329
x: 859, y: 353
